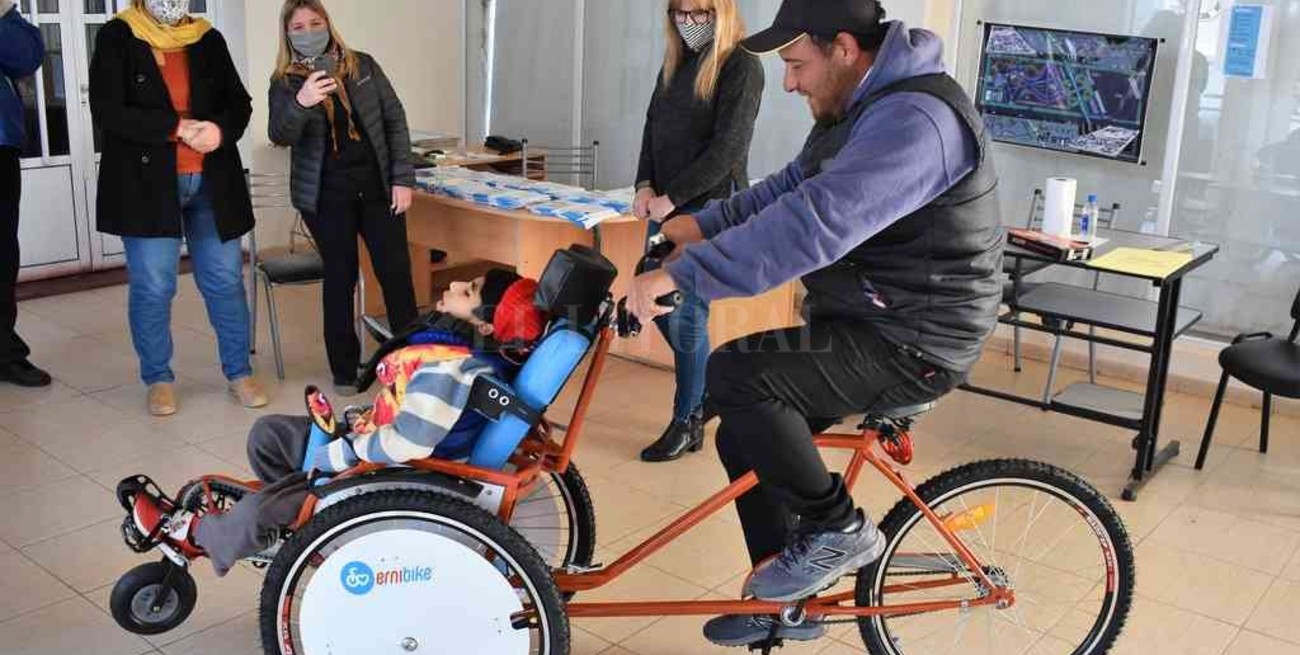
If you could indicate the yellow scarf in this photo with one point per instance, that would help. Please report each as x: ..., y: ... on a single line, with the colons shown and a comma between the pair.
x: 165, y: 37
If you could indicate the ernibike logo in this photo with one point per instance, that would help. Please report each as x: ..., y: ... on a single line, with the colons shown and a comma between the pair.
x: 359, y: 579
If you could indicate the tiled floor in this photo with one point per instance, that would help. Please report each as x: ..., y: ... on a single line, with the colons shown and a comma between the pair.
x: 1218, y: 551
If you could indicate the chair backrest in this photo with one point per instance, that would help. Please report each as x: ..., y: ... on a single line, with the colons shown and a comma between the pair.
x: 578, y: 164
x: 573, y: 289
x: 1295, y: 314
x: 273, y: 191
x: 1107, y: 216
x: 538, y: 384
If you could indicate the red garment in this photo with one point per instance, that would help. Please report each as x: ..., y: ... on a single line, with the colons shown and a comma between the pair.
x: 176, y: 74
x: 516, y: 318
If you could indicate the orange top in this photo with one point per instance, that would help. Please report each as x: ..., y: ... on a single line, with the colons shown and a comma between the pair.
x: 176, y: 73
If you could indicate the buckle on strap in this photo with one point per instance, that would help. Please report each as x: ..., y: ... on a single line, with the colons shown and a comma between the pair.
x: 494, y: 399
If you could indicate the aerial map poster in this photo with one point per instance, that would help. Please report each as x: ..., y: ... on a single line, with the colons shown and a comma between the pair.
x: 1073, y: 92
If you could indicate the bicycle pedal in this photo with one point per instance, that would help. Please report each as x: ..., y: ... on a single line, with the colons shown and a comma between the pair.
x: 766, y: 646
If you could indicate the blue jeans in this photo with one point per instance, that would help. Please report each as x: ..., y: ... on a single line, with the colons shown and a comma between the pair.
x: 687, y: 331
x: 153, y: 265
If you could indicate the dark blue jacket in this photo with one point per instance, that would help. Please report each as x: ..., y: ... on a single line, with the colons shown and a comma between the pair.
x: 21, y: 51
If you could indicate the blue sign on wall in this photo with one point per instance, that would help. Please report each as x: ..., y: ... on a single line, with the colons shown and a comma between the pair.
x: 1247, y: 42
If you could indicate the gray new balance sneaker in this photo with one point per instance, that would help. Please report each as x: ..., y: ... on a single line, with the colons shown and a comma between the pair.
x: 744, y: 630
x: 816, y: 561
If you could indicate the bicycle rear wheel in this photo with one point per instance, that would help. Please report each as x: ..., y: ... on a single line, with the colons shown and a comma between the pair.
x: 1042, y: 531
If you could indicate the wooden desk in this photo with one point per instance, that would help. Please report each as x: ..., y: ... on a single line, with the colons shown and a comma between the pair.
x: 479, y: 158
x: 469, y: 232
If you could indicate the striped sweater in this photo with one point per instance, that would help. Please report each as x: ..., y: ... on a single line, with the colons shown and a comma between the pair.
x: 426, y: 390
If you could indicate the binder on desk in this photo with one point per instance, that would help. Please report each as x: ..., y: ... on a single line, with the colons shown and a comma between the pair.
x: 1060, y: 248
x: 1158, y: 264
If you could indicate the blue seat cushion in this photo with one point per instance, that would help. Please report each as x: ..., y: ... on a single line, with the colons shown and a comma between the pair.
x: 538, y: 383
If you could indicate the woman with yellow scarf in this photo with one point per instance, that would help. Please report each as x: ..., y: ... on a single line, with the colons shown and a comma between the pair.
x: 169, y: 103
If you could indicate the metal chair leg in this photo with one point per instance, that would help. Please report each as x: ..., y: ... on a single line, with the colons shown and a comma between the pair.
x: 252, y: 310
x: 1051, y: 371
x: 274, y: 318
x: 1214, y: 418
x: 1092, y: 355
x: 1263, y: 427
x: 1015, y: 340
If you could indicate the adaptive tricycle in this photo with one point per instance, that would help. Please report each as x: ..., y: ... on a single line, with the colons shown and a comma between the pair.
x: 491, y: 554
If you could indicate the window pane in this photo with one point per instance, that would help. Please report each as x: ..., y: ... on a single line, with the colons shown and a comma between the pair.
x: 96, y: 6
x: 25, y: 6
x: 1239, y: 183
x: 56, y: 90
x: 48, y: 6
x: 27, y: 93
x: 92, y: 33
x: 198, y: 6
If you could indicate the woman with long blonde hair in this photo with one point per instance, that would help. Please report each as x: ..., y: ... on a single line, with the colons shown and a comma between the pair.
x: 695, y: 149
x: 351, y: 173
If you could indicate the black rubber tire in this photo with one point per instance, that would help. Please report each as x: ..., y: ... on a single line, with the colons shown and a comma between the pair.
x: 1103, y: 635
x: 121, y: 602
x: 581, y: 516
x: 531, y: 569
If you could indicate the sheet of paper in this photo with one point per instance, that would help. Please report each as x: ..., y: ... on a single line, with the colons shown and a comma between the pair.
x: 1139, y: 261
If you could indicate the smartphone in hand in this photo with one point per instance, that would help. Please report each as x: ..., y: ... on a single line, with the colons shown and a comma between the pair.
x: 324, y: 63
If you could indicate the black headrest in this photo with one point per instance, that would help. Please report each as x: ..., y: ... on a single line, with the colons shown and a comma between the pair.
x: 575, y: 284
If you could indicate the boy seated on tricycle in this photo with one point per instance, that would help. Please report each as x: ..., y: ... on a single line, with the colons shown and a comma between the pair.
x: 482, y: 327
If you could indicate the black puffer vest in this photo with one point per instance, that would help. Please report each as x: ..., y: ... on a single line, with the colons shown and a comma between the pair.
x: 932, y: 280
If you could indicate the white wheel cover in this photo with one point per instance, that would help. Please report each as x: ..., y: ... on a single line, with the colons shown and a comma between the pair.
x: 407, y: 591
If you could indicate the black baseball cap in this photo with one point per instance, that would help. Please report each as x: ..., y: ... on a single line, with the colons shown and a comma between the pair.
x: 799, y: 18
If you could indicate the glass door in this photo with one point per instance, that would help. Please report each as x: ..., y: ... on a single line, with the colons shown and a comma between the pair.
x: 91, y: 17
x: 53, y: 232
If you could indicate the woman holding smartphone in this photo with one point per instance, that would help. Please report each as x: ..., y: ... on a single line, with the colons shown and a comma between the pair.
x: 351, y: 171
x: 695, y: 149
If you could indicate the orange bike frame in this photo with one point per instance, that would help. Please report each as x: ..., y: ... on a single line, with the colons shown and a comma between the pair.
x: 541, y: 454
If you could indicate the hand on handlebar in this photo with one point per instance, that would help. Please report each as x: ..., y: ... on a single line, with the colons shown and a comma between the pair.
x: 652, y: 295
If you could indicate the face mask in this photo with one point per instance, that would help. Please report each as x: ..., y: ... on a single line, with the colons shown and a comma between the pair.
x: 168, y: 12
x: 696, y: 36
x: 310, y: 44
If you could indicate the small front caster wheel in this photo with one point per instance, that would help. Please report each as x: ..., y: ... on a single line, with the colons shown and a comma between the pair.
x: 153, y: 598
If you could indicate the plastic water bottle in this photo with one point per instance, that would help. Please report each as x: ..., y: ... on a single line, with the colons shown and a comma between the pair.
x: 1088, y: 222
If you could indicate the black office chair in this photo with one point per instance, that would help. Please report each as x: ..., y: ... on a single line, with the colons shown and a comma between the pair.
x: 294, y: 268
x: 1264, y: 362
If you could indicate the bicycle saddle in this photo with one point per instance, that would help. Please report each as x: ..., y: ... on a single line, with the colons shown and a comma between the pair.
x: 903, y: 413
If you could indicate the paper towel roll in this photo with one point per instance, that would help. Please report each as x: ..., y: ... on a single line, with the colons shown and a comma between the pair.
x: 1058, y: 208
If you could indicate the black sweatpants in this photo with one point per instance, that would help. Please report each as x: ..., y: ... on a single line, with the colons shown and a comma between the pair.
x: 12, y: 347
x: 342, y: 216
x: 775, y: 390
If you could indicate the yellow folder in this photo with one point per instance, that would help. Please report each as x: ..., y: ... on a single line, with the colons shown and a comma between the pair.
x: 1140, y: 261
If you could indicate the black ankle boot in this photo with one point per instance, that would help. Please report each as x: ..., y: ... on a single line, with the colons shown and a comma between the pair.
x: 678, y: 439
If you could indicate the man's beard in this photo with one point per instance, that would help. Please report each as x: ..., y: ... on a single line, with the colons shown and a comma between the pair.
x: 844, y: 83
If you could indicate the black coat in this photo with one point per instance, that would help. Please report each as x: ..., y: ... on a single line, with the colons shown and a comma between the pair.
x: 306, y: 130
x: 138, y: 194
